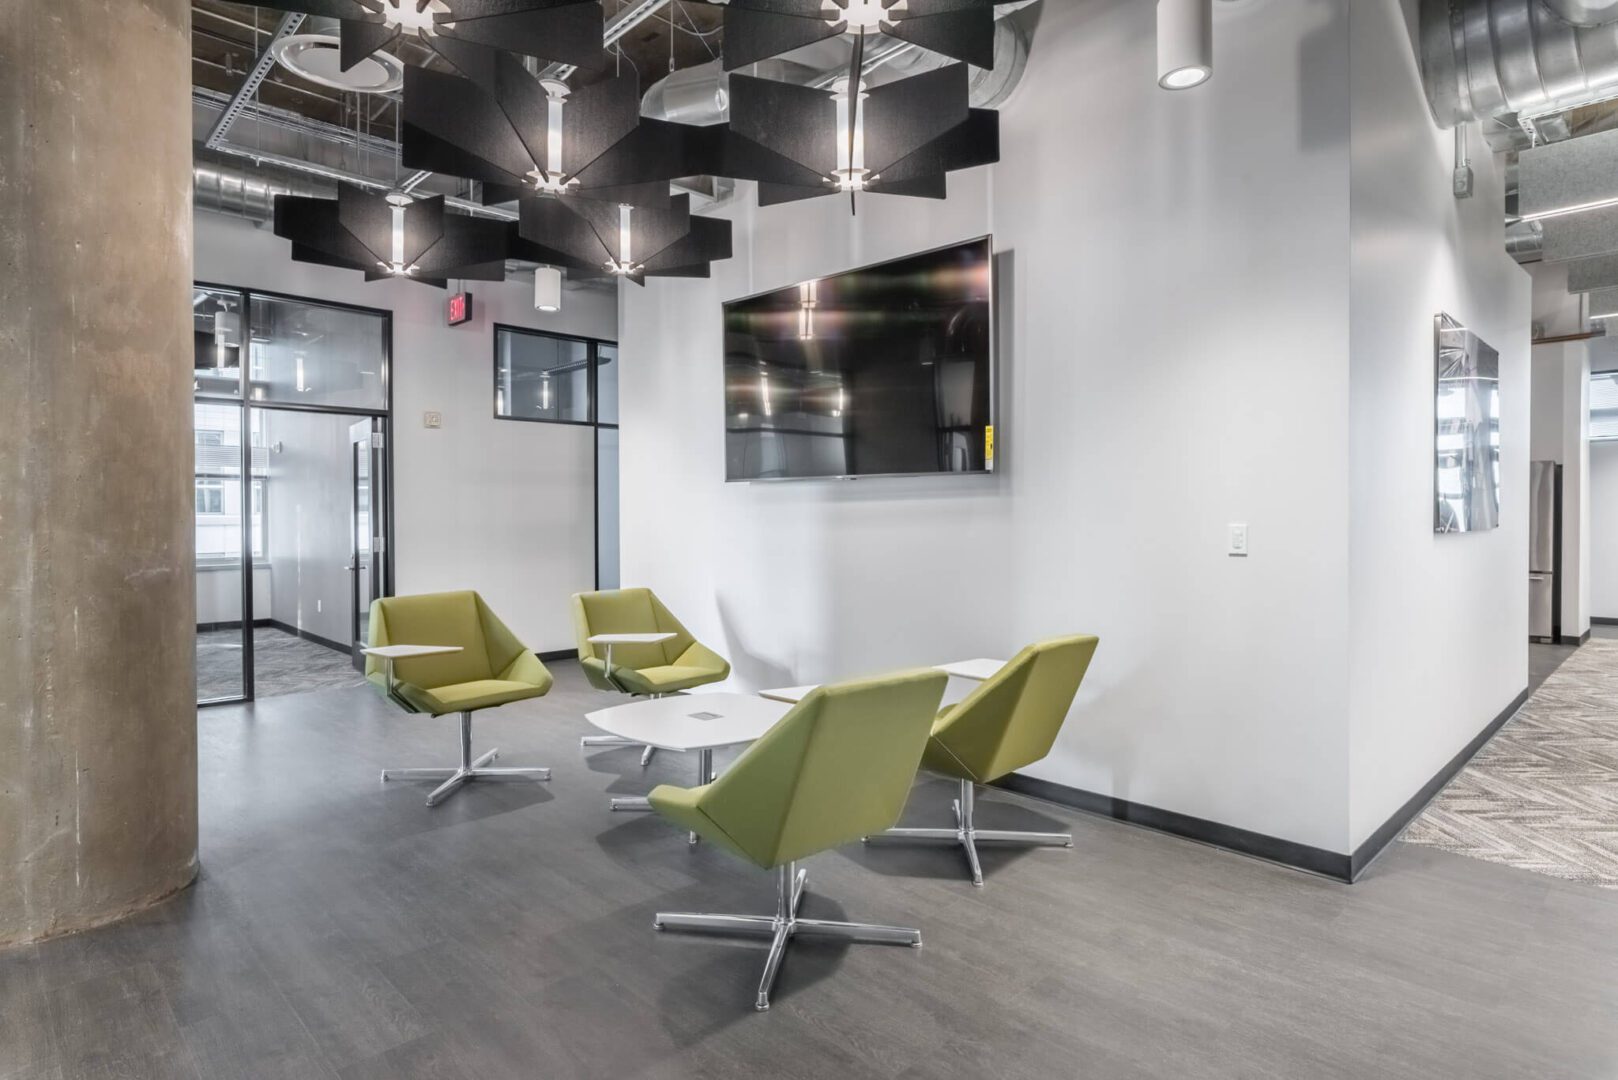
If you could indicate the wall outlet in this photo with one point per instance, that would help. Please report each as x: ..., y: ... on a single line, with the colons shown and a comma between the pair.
x: 317, y: 606
x: 1238, y: 542
x: 432, y: 419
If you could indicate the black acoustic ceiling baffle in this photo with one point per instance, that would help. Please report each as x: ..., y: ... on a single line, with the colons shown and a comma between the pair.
x: 799, y: 142
x: 564, y: 31
x: 606, y: 239
x: 759, y: 29
x: 519, y: 135
x: 386, y: 236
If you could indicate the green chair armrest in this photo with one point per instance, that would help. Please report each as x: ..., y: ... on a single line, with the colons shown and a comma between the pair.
x: 528, y: 668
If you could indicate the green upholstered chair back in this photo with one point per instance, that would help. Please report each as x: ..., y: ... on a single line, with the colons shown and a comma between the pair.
x: 451, y: 618
x: 1012, y: 719
x: 839, y: 766
x: 628, y: 611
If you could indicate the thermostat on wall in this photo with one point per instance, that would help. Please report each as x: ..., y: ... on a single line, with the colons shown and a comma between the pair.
x: 432, y: 419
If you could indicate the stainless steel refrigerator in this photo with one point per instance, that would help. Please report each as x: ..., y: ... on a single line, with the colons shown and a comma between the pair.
x: 1544, y: 550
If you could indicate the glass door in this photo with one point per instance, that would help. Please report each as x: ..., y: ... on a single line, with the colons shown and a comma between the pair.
x: 367, y: 533
x: 292, y: 400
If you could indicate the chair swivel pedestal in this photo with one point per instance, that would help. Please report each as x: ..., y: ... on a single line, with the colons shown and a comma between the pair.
x: 967, y: 834
x: 1011, y: 720
x: 468, y: 770
x: 787, y: 797
x: 784, y: 925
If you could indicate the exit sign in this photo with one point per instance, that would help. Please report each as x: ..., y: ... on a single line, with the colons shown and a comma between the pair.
x: 460, y: 308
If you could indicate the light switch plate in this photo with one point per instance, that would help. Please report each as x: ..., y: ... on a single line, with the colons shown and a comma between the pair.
x: 1238, y: 542
x: 432, y: 419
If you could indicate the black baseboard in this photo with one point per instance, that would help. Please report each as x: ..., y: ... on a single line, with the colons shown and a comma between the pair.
x: 1604, y: 622
x: 1580, y: 640
x: 558, y: 654
x: 1378, y: 842
x: 234, y: 624
x: 288, y: 628
x: 1243, y: 841
x: 1290, y: 853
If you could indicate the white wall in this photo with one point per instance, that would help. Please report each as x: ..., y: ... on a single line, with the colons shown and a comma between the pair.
x: 1174, y: 316
x: 499, y: 506
x: 1604, y: 530
x: 1438, y: 642
x: 1194, y: 333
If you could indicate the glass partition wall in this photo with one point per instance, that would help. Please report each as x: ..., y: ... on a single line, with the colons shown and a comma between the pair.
x: 292, y: 483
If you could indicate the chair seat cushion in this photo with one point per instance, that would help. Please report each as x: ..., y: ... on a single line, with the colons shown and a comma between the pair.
x: 667, y: 678
x: 468, y: 696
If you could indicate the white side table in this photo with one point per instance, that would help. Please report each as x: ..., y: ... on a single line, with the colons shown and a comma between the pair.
x: 974, y: 670
x: 979, y: 670
x: 390, y: 653
x: 700, y: 722
x: 609, y: 640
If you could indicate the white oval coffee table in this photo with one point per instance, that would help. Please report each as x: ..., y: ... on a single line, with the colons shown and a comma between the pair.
x: 685, y: 722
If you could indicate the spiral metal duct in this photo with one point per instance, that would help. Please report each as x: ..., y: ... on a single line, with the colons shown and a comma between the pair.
x: 225, y: 188
x: 1483, y: 59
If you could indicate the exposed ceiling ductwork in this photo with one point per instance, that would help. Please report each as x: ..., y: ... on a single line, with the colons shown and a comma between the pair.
x: 1492, y: 59
x: 1585, y: 12
x: 224, y: 187
x: 699, y: 95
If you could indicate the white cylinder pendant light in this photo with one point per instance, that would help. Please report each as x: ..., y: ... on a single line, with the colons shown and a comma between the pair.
x: 547, y: 289
x: 1184, y: 43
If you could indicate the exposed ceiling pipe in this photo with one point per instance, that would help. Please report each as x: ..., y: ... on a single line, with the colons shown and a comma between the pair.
x: 1525, y: 241
x: 1484, y: 59
x: 1585, y: 12
x: 225, y: 188
x: 370, y: 183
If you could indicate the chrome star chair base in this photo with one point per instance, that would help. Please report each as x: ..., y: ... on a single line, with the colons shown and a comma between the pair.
x: 784, y: 925
x: 967, y: 834
x: 468, y: 770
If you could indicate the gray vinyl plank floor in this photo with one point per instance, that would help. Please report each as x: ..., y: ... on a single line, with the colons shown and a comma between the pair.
x: 341, y: 930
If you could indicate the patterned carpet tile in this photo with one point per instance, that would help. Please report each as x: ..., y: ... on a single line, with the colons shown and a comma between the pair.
x: 282, y: 664
x: 1543, y: 794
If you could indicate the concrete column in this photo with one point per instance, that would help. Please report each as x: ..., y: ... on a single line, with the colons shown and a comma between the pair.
x: 98, y: 759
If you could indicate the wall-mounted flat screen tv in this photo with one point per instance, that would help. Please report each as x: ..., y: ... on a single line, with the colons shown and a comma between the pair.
x: 883, y: 371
